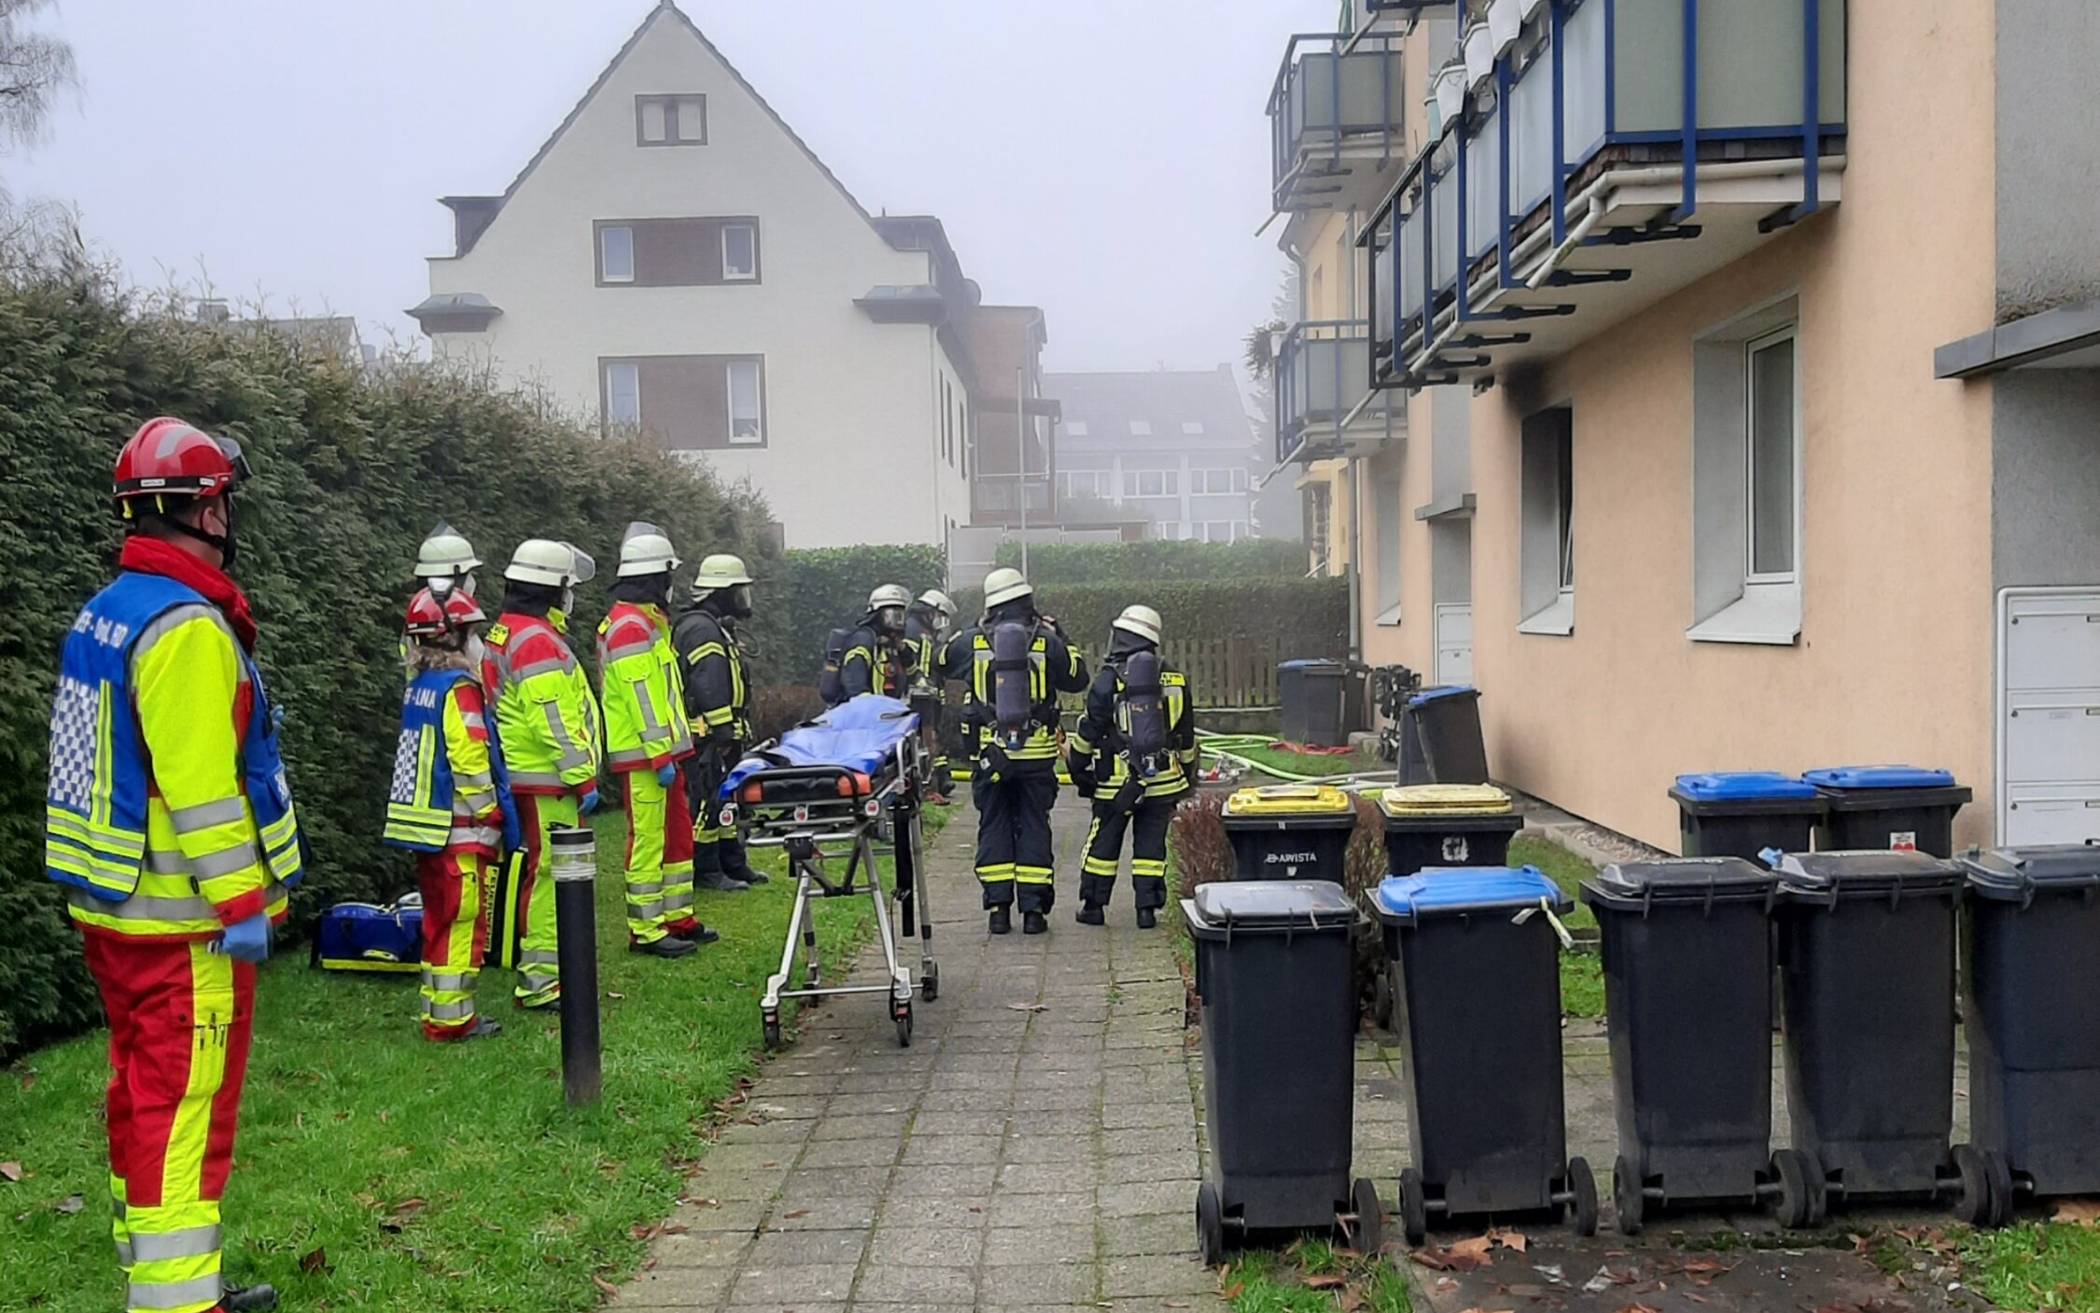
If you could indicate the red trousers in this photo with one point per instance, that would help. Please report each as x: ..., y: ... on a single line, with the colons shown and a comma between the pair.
x: 455, y: 939
x: 180, y: 1021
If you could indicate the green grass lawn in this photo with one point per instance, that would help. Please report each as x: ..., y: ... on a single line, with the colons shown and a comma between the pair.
x: 2040, y: 1265
x: 378, y: 1171
x: 1292, y: 762
x: 1581, y: 974
x: 1313, y: 1277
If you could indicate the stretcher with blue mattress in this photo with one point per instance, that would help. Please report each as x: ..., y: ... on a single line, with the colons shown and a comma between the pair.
x: 852, y: 779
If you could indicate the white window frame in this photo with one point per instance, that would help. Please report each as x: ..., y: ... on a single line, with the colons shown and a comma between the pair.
x: 1141, y: 428
x: 752, y: 275
x: 1239, y: 479
x: 757, y: 376
x: 1075, y: 428
x: 1552, y: 616
x: 633, y: 374
x: 1134, y: 483
x: 1731, y: 603
x: 605, y: 262
x: 1752, y: 577
x: 678, y: 127
x: 1192, y: 428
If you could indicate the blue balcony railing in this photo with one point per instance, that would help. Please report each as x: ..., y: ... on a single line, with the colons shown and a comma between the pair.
x: 1590, y: 85
x: 1321, y: 381
x: 1336, y: 110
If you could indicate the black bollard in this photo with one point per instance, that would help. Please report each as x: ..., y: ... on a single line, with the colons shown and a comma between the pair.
x: 574, y: 862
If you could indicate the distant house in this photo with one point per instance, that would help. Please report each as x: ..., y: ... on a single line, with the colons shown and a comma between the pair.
x: 677, y: 262
x: 1010, y: 415
x: 1173, y: 450
x: 329, y: 335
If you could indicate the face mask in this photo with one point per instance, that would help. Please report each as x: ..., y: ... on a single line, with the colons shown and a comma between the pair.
x: 474, y: 649
x: 740, y: 601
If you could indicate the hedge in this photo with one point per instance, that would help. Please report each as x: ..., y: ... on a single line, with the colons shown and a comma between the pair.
x: 1155, y: 559
x: 1309, y: 616
x: 353, y: 467
x: 821, y: 589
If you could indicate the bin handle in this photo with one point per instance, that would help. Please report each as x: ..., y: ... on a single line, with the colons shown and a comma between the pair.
x: 1567, y: 941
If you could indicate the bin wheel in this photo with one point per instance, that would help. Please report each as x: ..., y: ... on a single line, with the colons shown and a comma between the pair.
x: 1414, y: 1207
x: 1370, y: 1216
x: 1582, y: 1201
x: 1628, y: 1200
x: 930, y: 982
x: 772, y: 1034
x: 1800, y: 1201
x: 2005, y: 1199
x: 1382, y: 996
x: 904, y: 1026
x: 1975, y: 1204
x: 1210, y: 1225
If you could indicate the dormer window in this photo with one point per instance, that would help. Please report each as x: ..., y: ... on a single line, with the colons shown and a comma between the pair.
x: 670, y: 120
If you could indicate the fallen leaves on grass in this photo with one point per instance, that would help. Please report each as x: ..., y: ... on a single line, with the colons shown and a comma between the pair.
x: 70, y: 1205
x: 2079, y: 1212
x: 10, y: 1171
x: 604, y: 1287
x: 1326, y: 1281
x: 400, y: 1215
x: 314, y: 1262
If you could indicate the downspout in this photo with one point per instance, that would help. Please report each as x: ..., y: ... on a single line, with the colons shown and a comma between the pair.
x: 1356, y: 562
x: 933, y: 454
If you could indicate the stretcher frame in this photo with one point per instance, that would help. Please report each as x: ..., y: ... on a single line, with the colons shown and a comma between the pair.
x: 833, y: 818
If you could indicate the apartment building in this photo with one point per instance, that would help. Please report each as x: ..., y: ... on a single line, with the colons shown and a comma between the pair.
x: 1169, y: 450
x: 677, y: 262
x: 1751, y: 375
x: 1014, y: 444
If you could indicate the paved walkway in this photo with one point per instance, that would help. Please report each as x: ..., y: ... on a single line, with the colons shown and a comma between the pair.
x: 1035, y: 1149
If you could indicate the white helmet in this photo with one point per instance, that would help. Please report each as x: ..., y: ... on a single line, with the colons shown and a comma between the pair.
x: 445, y: 558
x: 938, y: 602
x: 645, y: 550
x: 1005, y: 584
x: 1142, y: 621
x: 719, y: 571
x: 555, y: 564
x: 889, y: 595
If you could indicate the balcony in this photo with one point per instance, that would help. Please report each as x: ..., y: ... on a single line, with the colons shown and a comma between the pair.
x: 1612, y: 153
x: 1324, y: 403
x: 1335, y: 117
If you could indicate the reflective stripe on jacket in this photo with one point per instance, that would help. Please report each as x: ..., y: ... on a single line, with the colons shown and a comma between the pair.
x: 167, y: 811
x: 546, y: 715
x: 716, y: 692
x: 639, y: 687
x: 450, y: 790
x: 1104, y: 732
x: 1054, y: 667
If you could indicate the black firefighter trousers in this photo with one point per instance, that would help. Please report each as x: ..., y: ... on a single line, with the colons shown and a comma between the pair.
x: 1013, y: 835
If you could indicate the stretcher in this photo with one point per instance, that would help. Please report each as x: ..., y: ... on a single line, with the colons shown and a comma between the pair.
x: 842, y: 786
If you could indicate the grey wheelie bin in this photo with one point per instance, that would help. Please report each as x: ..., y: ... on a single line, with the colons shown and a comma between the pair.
x: 1742, y: 813
x: 2033, y: 943
x: 1902, y: 808
x: 1866, y: 950
x: 1687, y: 962
x: 1479, y: 1021
x: 1279, y: 1062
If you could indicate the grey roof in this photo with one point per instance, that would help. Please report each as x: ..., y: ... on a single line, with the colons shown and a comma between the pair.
x: 454, y: 303
x: 1105, y: 405
x: 890, y: 303
x: 2066, y: 337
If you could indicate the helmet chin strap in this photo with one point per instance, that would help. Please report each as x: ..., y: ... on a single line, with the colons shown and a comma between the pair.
x: 223, y: 543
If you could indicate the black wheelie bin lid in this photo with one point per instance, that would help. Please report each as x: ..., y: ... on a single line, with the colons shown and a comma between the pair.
x: 1221, y: 910
x: 1701, y: 881
x: 1863, y: 788
x: 1870, y: 873
x: 1406, y: 900
x: 1742, y: 792
x: 2016, y: 875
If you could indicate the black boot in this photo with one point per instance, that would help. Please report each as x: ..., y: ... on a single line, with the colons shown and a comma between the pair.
x: 1090, y: 914
x: 483, y: 1029
x: 695, y: 933
x: 715, y: 882
x: 1002, y: 921
x: 749, y: 876
x: 670, y: 946
x: 1034, y: 923
x: 1147, y: 918
x: 248, y: 1299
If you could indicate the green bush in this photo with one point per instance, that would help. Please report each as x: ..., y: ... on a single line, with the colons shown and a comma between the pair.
x: 821, y: 589
x: 1309, y: 616
x: 1153, y: 559
x: 353, y: 467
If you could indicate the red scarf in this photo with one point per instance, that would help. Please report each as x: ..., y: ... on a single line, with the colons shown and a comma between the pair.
x: 152, y: 556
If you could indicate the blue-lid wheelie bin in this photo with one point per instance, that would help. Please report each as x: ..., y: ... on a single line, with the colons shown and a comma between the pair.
x: 1479, y: 1021
x: 1902, y: 808
x: 2033, y: 943
x: 1447, y: 724
x: 1866, y: 950
x: 1687, y: 958
x: 1274, y: 974
x: 1742, y: 813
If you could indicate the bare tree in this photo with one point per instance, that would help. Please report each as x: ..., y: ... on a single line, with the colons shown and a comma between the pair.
x: 34, y: 68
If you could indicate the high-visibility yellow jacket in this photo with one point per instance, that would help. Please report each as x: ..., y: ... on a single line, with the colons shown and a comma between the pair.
x: 167, y: 812
x: 546, y: 715
x: 1104, y: 732
x: 450, y: 790
x: 641, y: 689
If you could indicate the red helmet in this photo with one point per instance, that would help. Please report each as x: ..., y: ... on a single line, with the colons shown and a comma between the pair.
x: 429, y: 618
x: 168, y: 458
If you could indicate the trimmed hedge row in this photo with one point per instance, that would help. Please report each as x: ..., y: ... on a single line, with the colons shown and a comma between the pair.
x: 1309, y: 616
x: 1155, y: 559
x: 353, y: 467
x: 821, y: 589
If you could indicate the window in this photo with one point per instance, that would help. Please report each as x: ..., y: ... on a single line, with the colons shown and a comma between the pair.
x: 1167, y: 531
x: 1084, y: 483
x: 947, y: 418
x: 1219, y: 531
x: 1217, y: 483
x: 1141, y: 428
x: 739, y: 252
x: 1193, y: 428
x: 623, y: 395
x: 1075, y: 428
x: 1546, y: 528
x: 1038, y: 495
x: 670, y: 120
x: 746, y: 423
x: 1319, y: 506
x: 995, y: 495
x: 615, y: 254
x: 1386, y: 516
x: 1151, y: 483
x: 1746, y: 479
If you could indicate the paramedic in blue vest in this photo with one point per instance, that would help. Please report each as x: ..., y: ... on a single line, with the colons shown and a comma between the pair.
x: 1134, y: 755
x: 450, y: 804
x: 1013, y: 665
x: 169, y: 821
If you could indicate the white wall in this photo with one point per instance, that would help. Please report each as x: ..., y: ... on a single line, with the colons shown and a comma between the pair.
x: 852, y: 425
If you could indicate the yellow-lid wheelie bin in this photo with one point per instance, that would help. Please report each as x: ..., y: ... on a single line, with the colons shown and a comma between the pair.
x: 1289, y: 832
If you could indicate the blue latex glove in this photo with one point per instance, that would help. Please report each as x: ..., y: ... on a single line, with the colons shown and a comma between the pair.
x: 667, y: 774
x: 589, y: 803
x: 277, y: 718
x: 248, y: 940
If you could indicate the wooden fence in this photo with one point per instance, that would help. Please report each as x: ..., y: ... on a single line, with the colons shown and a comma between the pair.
x: 1229, y: 672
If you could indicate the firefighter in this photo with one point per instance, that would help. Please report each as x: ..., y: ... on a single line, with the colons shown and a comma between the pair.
x: 1134, y: 756
x: 548, y: 722
x: 877, y: 658
x: 169, y: 819
x: 450, y: 805
x: 718, y: 707
x: 647, y: 742
x: 927, y: 627
x: 1014, y: 663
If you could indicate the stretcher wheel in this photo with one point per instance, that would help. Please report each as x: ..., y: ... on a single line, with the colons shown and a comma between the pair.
x: 904, y: 1026
x: 1627, y: 1199
x: 930, y: 982
x: 1582, y: 1197
x: 772, y: 1034
x: 1800, y: 1201
x: 1210, y: 1225
x: 1370, y: 1216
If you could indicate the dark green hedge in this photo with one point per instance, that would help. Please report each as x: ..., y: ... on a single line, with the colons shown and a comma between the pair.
x: 820, y: 589
x: 353, y: 467
x: 1309, y: 616
x: 1060, y: 563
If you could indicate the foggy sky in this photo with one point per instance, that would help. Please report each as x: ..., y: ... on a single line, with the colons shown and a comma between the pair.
x: 1106, y: 159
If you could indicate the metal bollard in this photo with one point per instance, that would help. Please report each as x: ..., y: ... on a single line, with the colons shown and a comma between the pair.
x: 574, y: 861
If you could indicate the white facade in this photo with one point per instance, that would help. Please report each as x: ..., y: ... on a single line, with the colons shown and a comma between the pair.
x: 852, y: 448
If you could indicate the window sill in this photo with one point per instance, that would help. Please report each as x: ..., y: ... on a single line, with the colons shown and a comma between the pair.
x: 1389, y: 618
x: 1769, y: 615
x: 1556, y: 619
